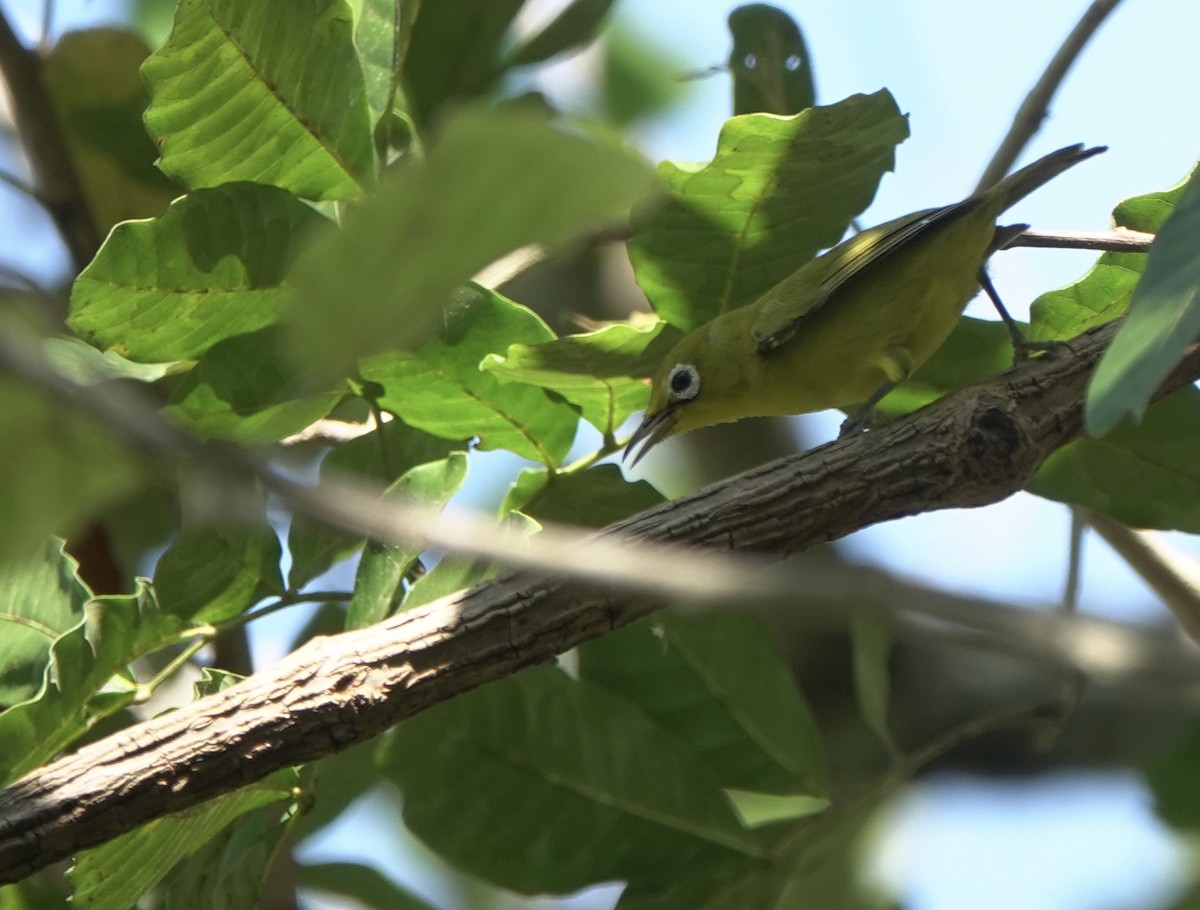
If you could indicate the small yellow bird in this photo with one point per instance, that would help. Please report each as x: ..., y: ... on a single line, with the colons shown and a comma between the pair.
x: 847, y: 327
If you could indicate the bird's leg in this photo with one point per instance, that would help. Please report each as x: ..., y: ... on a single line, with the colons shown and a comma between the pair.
x: 1022, y: 346
x: 863, y: 416
x: 896, y: 363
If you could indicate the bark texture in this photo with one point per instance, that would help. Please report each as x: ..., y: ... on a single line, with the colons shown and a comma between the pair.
x: 972, y: 448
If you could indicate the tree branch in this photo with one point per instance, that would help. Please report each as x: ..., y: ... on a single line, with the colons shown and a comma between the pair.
x: 974, y: 447
x: 57, y: 183
x: 1121, y: 240
x: 1036, y: 106
x: 1169, y: 575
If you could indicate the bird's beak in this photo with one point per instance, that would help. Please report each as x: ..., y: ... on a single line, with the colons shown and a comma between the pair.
x: 653, y: 429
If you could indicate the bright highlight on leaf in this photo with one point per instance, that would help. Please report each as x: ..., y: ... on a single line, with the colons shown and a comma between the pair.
x: 440, y: 388
x: 602, y: 373
x: 778, y: 190
x: 210, y: 267
x: 250, y: 90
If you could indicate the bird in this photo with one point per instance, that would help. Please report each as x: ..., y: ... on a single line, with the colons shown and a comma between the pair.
x: 848, y: 326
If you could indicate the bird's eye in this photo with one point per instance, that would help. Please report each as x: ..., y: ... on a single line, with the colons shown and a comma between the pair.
x: 683, y: 382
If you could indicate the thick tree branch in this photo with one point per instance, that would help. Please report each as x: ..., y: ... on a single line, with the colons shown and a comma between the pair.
x: 974, y: 447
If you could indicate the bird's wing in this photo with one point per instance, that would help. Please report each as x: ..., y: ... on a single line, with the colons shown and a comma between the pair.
x: 783, y: 309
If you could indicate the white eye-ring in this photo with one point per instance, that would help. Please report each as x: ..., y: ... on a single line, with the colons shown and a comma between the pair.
x: 683, y: 382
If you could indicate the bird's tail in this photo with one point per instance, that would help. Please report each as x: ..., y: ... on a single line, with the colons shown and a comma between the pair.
x: 1019, y: 184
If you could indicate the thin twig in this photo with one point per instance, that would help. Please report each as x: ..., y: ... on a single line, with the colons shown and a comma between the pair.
x: 1167, y: 573
x: 1118, y: 241
x: 21, y: 187
x: 57, y: 184
x: 1036, y: 105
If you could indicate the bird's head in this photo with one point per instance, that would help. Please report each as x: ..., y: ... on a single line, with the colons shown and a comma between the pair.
x: 693, y: 388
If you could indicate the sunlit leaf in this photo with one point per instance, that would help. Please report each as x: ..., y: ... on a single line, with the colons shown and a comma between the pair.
x: 244, y: 389
x: 213, y: 573
x: 115, y: 875
x: 593, y: 498
x: 778, y: 190
x: 43, y: 598
x: 441, y: 389
x: 241, y: 92
x: 379, y: 457
x: 107, y: 637
x: 602, y: 373
x: 210, y: 267
x: 377, y: 587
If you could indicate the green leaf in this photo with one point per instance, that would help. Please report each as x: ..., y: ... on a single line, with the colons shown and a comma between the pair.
x: 1176, y: 785
x: 92, y: 80
x: 592, y: 498
x: 770, y: 64
x: 243, y: 91
x: 1164, y: 321
x: 719, y: 684
x: 1146, y: 475
x: 872, y: 678
x: 1104, y: 292
x: 777, y: 191
x: 602, y: 373
x: 543, y: 784
x: 450, y: 575
x: 80, y: 362
x: 492, y: 183
x: 454, y: 53
x: 576, y: 25
x: 214, y: 573
x: 231, y: 869
x: 69, y: 468
x: 109, y: 635
x: 363, y: 885
x: 380, y: 457
x: 243, y: 389
x: 115, y: 875
x: 35, y: 893
x: 382, y: 568
x: 210, y: 267
x: 376, y: 38
x: 43, y: 598
x: 441, y: 389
